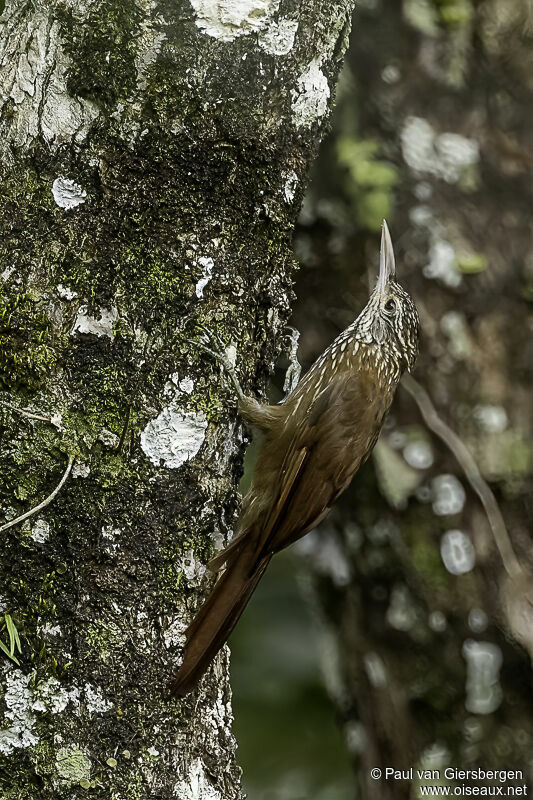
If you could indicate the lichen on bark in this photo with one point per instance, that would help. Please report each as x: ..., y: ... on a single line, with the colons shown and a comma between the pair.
x: 143, y: 190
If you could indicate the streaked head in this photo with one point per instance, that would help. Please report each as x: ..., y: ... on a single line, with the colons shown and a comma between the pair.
x: 390, y: 317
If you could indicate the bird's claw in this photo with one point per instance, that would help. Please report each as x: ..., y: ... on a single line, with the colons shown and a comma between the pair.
x: 214, y: 345
x: 211, y: 343
x: 217, y: 345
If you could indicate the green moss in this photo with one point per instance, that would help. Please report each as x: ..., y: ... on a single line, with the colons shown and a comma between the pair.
x: 170, y: 578
x: 100, y: 639
x: 33, y: 467
x: 26, y: 212
x: 29, y: 346
x: 135, y: 790
x: 20, y: 792
x: 102, y: 51
x: 43, y: 758
x: 25, y: 351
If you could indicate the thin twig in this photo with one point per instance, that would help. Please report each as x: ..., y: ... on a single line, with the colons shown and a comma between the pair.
x: 28, y: 414
x: 45, y: 503
x: 471, y: 470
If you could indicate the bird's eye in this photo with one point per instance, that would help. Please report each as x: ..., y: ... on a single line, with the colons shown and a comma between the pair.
x: 390, y: 306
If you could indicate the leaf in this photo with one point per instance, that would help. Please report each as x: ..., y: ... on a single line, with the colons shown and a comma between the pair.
x: 14, y: 640
x: 8, y: 654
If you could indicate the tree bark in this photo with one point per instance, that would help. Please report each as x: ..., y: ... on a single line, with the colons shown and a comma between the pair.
x: 153, y: 157
x: 426, y: 612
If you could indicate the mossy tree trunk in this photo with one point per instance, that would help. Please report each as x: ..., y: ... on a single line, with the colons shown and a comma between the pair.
x: 427, y: 613
x: 152, y: 162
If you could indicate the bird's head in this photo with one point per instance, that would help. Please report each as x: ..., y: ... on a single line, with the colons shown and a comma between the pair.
x: 390, y: 318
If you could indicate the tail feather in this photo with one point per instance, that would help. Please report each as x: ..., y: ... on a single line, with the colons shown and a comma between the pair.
x: 229, y: 552
x: 216, y: 619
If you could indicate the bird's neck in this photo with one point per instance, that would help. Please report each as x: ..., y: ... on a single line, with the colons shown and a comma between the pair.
x: 381, y: 361
x: 381, y: 358
x: 352, y: 353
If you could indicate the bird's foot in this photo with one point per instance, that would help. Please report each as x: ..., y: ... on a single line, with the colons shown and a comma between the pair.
x: 292, y: 375
x: 211, y: 343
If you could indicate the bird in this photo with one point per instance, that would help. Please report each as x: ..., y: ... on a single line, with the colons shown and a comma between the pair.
x: 313, y: 444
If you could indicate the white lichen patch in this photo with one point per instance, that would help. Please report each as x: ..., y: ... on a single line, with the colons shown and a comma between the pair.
x: 48, y: 630
x: 65, y: 292
x: 102, y: 325
x: 40, y: 531
x: 173, y: 437
x: 18, y: 716
x: 73, y: 765
x: 457, y: 552
x: 278, y: 38
x: 22, y: 705
x: 310, y: 98
x: 7, y: 273
x: 196, y: 785
x: 289, y: 186
x: 52, y: 698
x: 192, y: 569
x: 448, y: 495
x: 215, y: 715
x: 67, y: 193
x: 229, y: 19
x: 483, y: 663
x: 174, y: 633
x: 57, y: 420
x: 208, y: 264
x: 446, y: 155
x: 110, y: 537
x: 81, y: 470
x: 95, y: 702
x: 186, y: 385
x: 176, y: 386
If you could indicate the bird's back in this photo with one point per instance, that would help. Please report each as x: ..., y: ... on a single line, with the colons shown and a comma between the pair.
x: 330, y: 426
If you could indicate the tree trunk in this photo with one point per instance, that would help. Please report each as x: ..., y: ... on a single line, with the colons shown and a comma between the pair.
x: 425, y: 605
x: 153, y: 157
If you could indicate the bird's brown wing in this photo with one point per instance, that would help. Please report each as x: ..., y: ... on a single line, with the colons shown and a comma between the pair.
x: 328, y: 446
x: 323, y: 453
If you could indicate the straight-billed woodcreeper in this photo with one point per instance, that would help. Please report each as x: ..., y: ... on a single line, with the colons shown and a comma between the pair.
x: 314, y: 443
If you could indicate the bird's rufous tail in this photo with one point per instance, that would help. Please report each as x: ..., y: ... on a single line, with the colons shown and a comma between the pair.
x: 216, y: 619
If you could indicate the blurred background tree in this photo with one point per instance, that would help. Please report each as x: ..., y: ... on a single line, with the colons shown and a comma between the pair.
x: 422, y: 603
